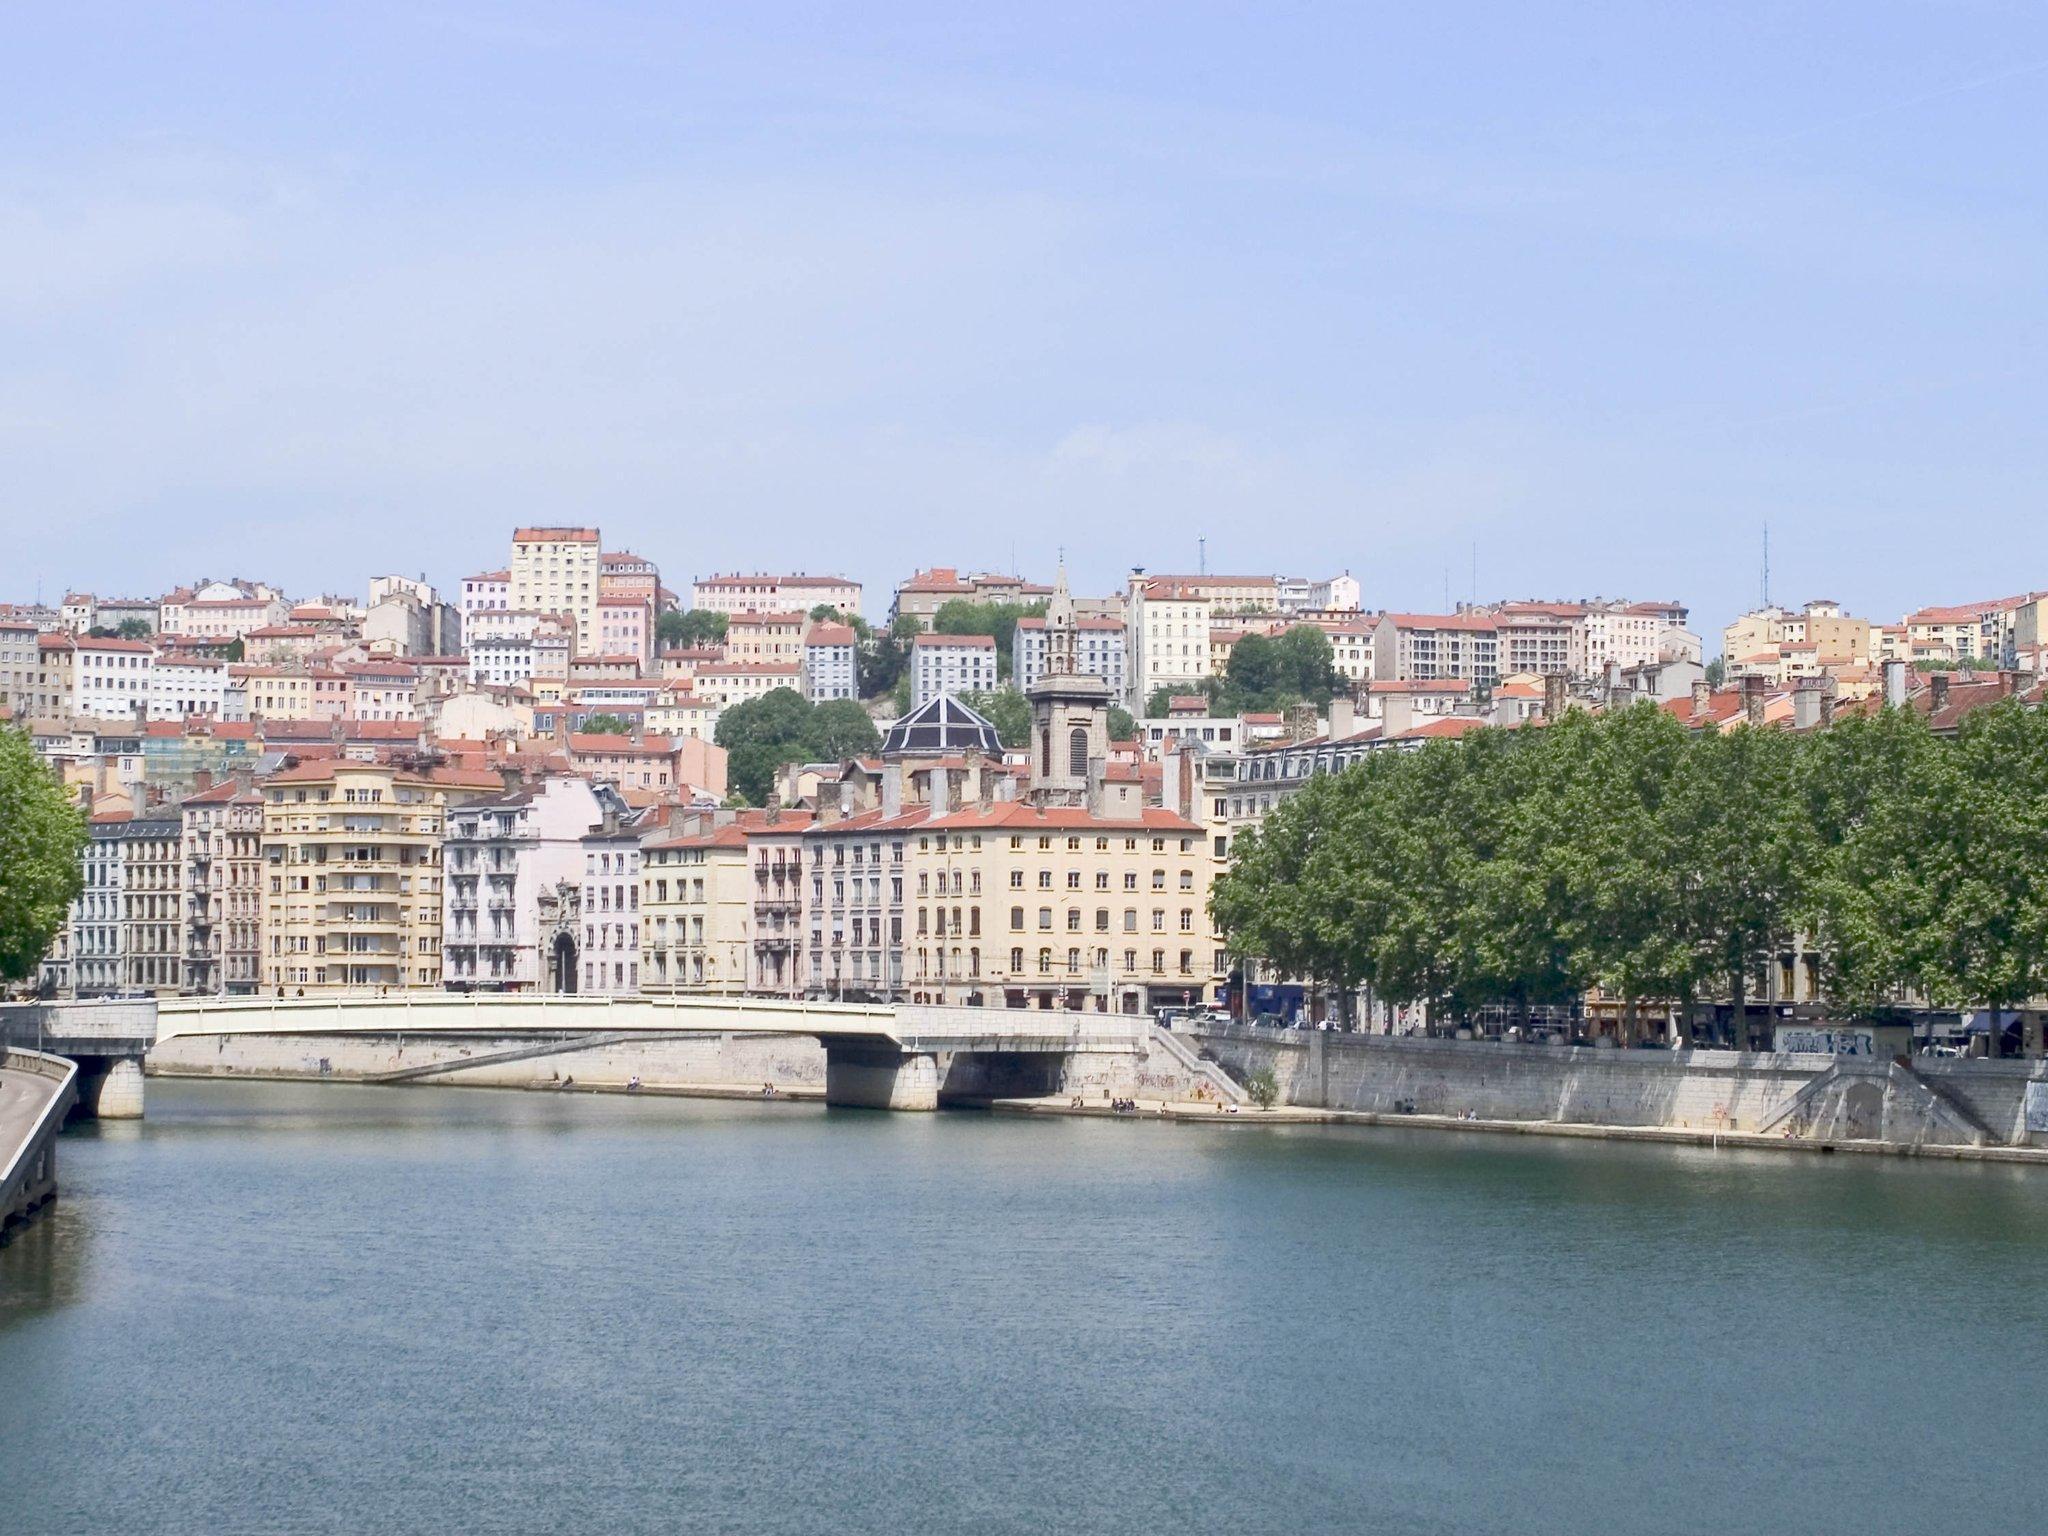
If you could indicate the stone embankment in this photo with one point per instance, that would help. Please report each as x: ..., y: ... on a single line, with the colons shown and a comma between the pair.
x: 1732, y: 1097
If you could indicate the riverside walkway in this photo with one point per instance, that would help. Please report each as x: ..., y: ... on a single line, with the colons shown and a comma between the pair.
x: 35, y: 1091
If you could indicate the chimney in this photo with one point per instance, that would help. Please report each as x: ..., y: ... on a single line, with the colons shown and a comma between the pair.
x: 1895, y: 683
x: 942, y: 791
x: 1702, y: 696
x: 1806, y: 705
x: 892, y: 789
x: 202, y: 778
x: 1343, y: 717
x: 1938, y: 683
x: 2008, y: 683
x: 1553, y: 695
x: 1753, y: 699
x: 1397, y: 715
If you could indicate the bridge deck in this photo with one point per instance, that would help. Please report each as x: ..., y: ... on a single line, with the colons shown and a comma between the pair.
x: 903, y: 1026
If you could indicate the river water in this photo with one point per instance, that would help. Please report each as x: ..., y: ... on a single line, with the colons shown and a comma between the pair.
x: 308, y: 1308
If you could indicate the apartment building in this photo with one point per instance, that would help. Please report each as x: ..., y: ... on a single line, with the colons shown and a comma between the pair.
x: 120, y: 932
x: 183, y: 685
x: 220, y: 848
x: 502, y: 855
x: 20, y: 668
x: 557, y: 570
x: 485, y: 592
x: 954, y: 664
x: 1431, y: 645
x: 1166, y: 630
x: 762, y: 593
x: 853, y: 909
x: 1540, y: 638
x: 766, y: 637
x: 775, y: 858
x: 101, y: 679
x: 696, y: 904
x: 926, y: 592
x: 735, y: 682
x: 830, y: 668
x: 610, y: 908
x: 352, y: 872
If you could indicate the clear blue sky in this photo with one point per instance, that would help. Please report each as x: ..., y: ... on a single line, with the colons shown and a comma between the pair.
x: 316, y: 291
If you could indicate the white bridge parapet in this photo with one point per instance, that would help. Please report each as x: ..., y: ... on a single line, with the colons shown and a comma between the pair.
x: 906, y: 1027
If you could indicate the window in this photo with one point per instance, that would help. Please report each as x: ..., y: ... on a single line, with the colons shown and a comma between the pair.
x: 1187, y: 920
x: 1017, y: 918
x: 1130, y: 919
x: 1102, y: 919
x: 1074, y: 920
x: 1045, y: 879
x: 1016, y: 879
x: 1045, y: 917
x: 1016, y: 961
x: 1073, y: 879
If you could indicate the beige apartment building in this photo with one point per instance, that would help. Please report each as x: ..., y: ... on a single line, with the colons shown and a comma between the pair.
x: 696, y: 903
x: 776, y: 638
x: 352, y: 873
x: 558, y: 570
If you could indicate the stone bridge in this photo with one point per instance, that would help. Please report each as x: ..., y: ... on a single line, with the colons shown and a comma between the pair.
x: 106, y: 1037
x: 876, y: 1055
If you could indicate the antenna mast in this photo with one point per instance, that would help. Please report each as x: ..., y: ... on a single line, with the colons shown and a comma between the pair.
x: 1202, y: 556
x: 1767, y: 565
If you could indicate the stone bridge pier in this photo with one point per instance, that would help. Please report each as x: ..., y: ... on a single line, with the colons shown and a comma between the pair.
x: 879, y: 1074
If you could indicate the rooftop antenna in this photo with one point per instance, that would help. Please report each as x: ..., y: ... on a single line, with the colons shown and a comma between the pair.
x: 1767, y: 564
x: 1202, y: 556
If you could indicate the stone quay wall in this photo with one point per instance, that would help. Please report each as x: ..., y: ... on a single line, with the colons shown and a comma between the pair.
x: 1945, y: 1102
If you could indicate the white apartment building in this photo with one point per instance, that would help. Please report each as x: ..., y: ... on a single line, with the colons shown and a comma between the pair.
x: 183, y: 685
x: 485, y: 592
x: 1166, y: 634
x: 735, y: 593
x: 501, y: 659
x: 829, y: 668
x: 500, y: 856
x: 954, y: 664
x: 625, y: 626
x: 556, y: 570
x: 1099, y: 647
x: 610, y: 955
x: 103, y: 679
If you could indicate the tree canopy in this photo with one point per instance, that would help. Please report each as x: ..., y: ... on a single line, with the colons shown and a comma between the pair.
x: 782, y: 726
x: 608, y: 725
x: 1007, y: 710
x: 678, y: 630
x: 42, y: 834
x: 1665, y: 867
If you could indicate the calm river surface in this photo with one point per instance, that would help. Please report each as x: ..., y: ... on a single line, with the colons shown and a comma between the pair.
x: 279, y: 1307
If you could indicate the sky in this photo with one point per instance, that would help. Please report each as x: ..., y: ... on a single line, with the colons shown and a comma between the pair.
x: 1513, y: 299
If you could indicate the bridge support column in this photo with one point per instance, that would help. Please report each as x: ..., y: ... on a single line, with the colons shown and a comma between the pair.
x: 880, y: 1077
x: 117, y: 1094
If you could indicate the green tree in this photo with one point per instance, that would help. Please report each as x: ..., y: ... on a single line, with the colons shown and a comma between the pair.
x: 608, y: 725
x: 759, y: 736
x: 682, y: 630
x: 42, y: 835
x: 839, y: 729
x: 1007, y: 710
x: 1263, y: 1086
x: 1741, y: 851
x: 233, y: 650
x: 1121, y: 726
x: 762, y: 735
x: 134, y: 629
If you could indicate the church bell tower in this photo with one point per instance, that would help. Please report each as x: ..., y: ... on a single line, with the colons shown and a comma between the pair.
x: 1069, y: 711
